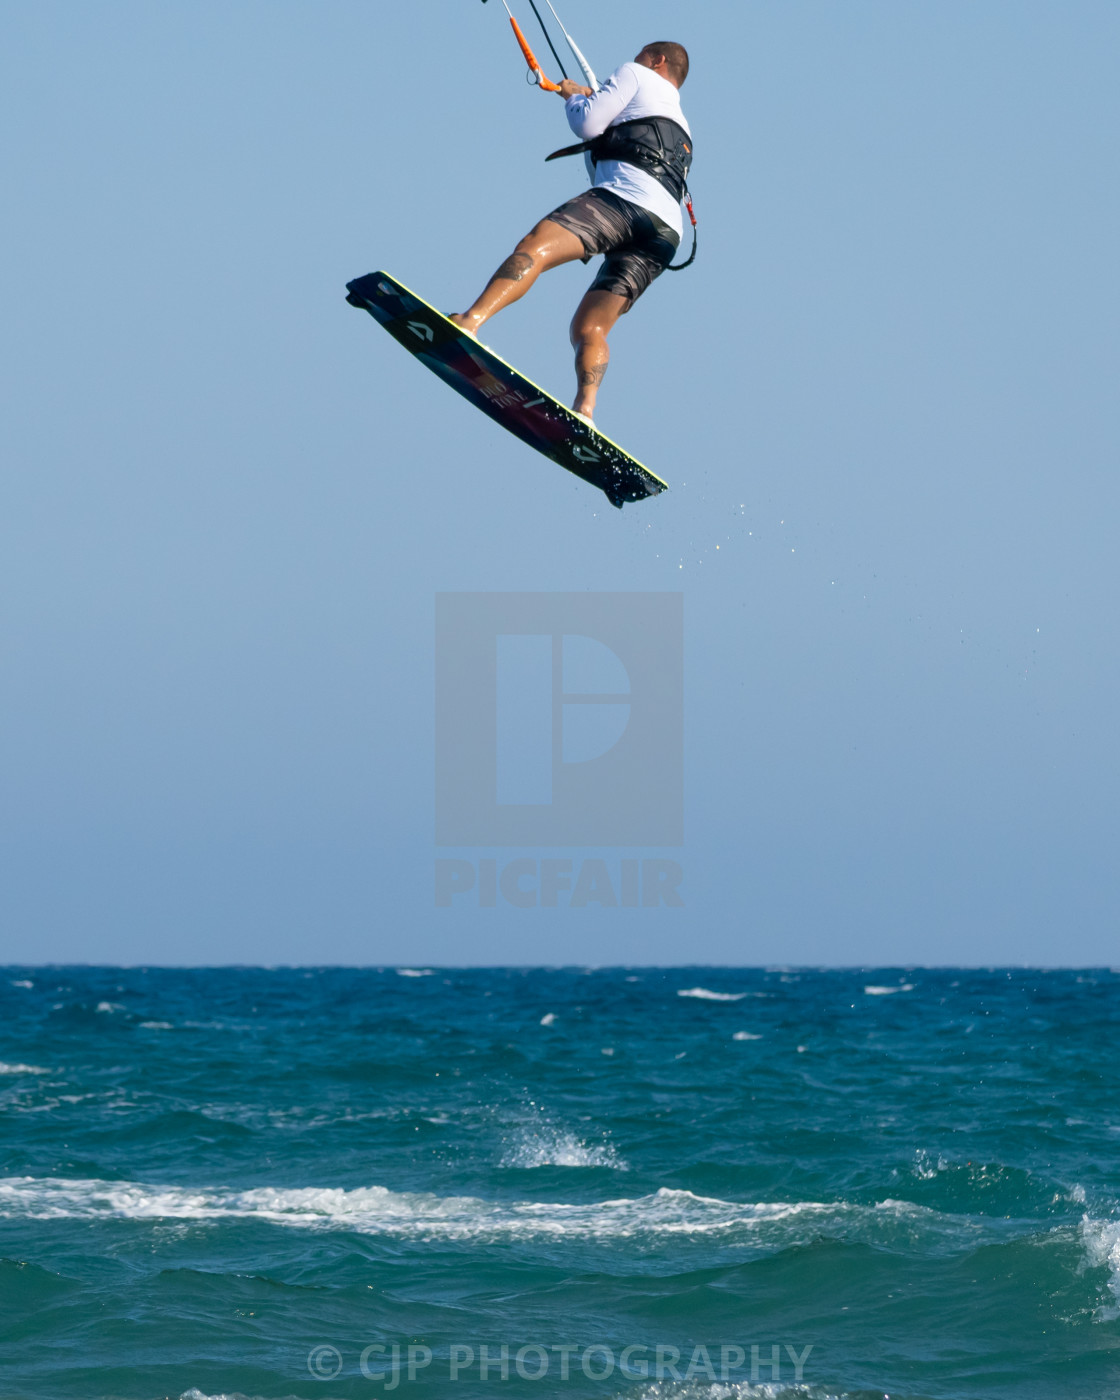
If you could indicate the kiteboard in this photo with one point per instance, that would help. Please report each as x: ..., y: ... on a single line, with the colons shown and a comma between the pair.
x: 519, y: 405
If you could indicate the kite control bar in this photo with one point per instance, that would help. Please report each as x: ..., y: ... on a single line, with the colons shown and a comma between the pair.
x: 530, y: 56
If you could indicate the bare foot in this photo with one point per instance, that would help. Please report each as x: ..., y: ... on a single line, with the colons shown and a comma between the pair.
x: 460, y: 319
x: 585, y: 416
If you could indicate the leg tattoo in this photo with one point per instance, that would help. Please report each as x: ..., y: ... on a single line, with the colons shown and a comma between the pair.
x: 513, y: 269
x: 592, y: 376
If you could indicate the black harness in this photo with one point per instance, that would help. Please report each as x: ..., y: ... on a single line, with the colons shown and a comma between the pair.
x: 657, y: 145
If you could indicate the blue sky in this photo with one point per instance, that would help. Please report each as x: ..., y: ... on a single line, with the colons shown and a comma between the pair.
x: 886, y: 391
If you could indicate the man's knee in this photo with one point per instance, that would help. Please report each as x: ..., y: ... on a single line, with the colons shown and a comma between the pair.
x: 590, y: 327
x: 583, y: 333
x: 543, y: 235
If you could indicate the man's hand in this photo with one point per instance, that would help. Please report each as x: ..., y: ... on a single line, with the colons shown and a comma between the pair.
x: 571, y: 89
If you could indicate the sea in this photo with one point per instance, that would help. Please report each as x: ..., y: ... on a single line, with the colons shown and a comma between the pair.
x: 689, y: 1183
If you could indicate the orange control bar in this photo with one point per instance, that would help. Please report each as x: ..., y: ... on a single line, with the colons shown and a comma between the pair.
x: 531, y: 58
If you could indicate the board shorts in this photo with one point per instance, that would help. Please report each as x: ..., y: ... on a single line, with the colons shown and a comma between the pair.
x: 637, y: 246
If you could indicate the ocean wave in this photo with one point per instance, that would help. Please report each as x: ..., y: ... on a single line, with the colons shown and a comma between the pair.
x: 734, y: 1390
x: 666, y: 1215
x: 687, y: 1390
x: 414, y: 972
x: 195, y: 1394
x: 878, y: 991
x: 22, y: 1069
x: 659, y: 1390
x: 1101, y: 1241
x: 703, y: 994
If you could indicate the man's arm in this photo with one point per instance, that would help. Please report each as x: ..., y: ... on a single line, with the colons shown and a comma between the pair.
x: 590, y: 116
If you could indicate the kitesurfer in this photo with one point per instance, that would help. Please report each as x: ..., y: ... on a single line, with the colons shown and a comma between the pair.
x: 639, y: 142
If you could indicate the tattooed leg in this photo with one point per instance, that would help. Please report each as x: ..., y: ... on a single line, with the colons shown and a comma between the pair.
x: 547, y: 246
x: 597, y: 313
x: 588, y: 379
x: 515, y: 267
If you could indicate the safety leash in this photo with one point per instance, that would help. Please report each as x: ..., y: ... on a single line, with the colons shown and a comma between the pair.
x: 679, y: 267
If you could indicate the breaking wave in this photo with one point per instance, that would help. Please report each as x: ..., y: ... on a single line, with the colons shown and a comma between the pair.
x: 375, y: 1210
x: 1101, y: 1239
x: 703, y: 994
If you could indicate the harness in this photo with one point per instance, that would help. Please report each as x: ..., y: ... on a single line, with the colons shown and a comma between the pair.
x: 659, y: 146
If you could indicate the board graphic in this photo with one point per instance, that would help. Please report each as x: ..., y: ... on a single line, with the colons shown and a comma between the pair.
x: 519, y: 405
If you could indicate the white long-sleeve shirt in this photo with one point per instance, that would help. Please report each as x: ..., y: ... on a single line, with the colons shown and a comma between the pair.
x: 631, y: 92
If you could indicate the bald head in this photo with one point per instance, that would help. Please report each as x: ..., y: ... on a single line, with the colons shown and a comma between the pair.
x: 668, y: 60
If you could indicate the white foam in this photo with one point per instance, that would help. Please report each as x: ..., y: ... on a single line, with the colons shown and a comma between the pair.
x: 667, y: 1216
x: 702, y: 994
x: 156, y: 1026
x: 22, y: 1069
x: 548, y: 1018
x: 924, y: 1168
x: 552, y: 1148
x: 888, y: 991
x: 415, y: 972
x: 108, y: 1007
x: 731, y: 1390
x: 23, y: 982
x: 1101, y: 1239
x: 745, y: 1035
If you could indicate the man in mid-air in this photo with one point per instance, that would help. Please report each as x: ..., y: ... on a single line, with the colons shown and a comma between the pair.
x: 641, y: 148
